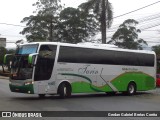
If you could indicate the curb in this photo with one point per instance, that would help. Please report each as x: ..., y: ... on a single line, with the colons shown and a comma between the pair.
x: 3, y: 77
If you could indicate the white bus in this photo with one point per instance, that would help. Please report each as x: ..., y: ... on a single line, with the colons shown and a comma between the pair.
x: 60, y: 68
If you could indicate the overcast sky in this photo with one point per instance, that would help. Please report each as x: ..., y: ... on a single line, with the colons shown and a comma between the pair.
x: 13, y: 11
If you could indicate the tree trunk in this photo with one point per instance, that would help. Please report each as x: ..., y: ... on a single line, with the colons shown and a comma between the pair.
x: 103, y: 21
x: 51, y: 31
x: 3, y: 68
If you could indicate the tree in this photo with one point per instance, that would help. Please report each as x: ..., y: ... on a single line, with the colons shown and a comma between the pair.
x: 127, y: 36
x: 67, y: 25
x: 2, y: 53
x: 103, y: 11
x: 156, y: 49
x: 41, y: 26
x: 75, y: 26
x: 36, y: 29
x: 9, y: 58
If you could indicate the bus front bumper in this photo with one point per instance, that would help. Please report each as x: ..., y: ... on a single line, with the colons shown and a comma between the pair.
x: 22, y: 89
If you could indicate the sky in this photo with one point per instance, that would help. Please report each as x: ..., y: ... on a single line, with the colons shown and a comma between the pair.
x: 13, y: 11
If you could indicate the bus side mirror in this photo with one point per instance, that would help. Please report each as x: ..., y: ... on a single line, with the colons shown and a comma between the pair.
x: 31, y: 58
x: 6, y: 57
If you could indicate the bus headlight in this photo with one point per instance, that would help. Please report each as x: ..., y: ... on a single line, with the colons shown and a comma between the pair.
x: 28, y: 83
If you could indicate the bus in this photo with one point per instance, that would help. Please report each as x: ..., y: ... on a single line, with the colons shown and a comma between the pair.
x: 49, y: 68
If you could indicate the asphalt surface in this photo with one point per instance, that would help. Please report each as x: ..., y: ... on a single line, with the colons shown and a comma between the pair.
x: 142, y: 101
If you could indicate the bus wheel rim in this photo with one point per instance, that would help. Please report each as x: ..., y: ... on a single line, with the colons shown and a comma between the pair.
x: 65, y: 91
x: 131, y: 89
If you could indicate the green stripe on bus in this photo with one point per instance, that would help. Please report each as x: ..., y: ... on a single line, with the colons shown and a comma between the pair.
x: 85, y: 86
x: 142, y: 80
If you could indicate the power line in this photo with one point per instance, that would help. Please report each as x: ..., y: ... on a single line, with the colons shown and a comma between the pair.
x: 136, y: 9
x: 153, y: 25
x: 12, y: 24
x: 10, y: 42
x: 151, y: 38
x: 141, y: 20
x: 144, y: 23
x: 151, y: 30
x: 113, y: 17
x: 148, y: 18
x: 12, y: 35
x: 149, y: 21
x: 152, y: 42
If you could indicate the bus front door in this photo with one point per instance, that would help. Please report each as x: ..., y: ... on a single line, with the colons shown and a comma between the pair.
x: 44, y: 67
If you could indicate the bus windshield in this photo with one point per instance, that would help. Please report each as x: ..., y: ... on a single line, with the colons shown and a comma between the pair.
x: 27, y: 49
x: 20, y: 68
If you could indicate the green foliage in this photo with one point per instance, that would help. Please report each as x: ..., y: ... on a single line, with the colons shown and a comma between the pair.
x: 103, y: 13
x: 127, y: 36
x: 37, y: 28
x: 52, y: 23
x: 11, y: 51
x: 156, y: 49
x: 2, y: 53
x: 42, y: 26
x: 48, y: 7
x: 75, y: 26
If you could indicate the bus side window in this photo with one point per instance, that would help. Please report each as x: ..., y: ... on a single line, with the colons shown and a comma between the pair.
x: 45, y: 62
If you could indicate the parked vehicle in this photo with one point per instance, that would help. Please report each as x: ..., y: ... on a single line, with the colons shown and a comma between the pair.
x: 158, y: 80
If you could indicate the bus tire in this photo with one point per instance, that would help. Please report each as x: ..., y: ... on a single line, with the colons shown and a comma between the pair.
x: 41, y: 96
x: 131, y: 89
x: 64, y: 90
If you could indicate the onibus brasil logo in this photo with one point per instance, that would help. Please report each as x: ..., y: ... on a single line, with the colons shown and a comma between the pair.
x: 21, y: 114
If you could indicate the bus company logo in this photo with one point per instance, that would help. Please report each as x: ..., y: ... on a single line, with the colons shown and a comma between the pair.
x: 130, y: 69
x: 88, y: 70
x: 6, y: 114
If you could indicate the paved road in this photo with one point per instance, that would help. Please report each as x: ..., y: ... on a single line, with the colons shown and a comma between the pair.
x: 143, y: 101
